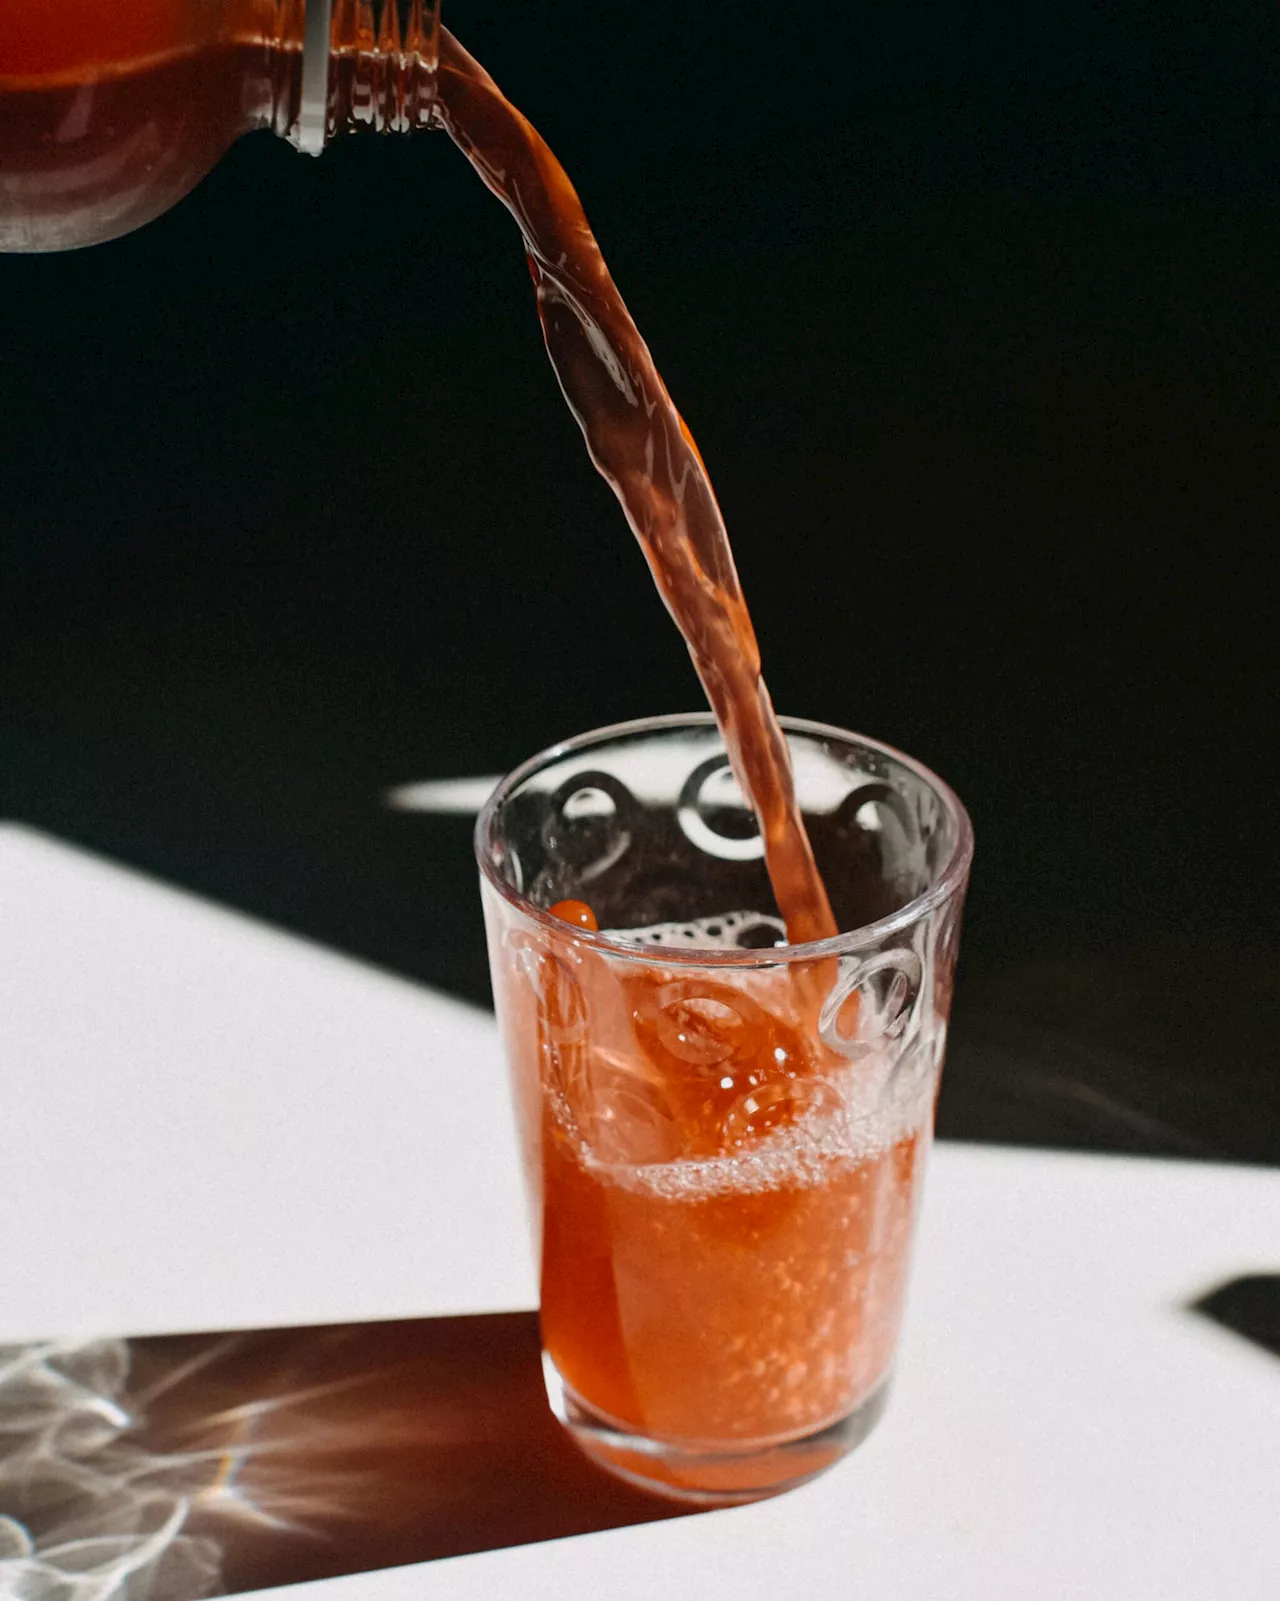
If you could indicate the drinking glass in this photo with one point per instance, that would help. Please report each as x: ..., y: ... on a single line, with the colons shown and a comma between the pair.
x: 724, y: 1135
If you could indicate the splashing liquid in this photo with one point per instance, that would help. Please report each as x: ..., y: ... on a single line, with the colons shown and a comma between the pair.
x: 642, y: 448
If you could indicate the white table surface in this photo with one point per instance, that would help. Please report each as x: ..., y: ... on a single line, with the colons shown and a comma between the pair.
x: 209, y: 1124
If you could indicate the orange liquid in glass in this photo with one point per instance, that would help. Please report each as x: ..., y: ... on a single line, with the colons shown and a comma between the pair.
x: 723, y: 1239
x: 733, y: 1315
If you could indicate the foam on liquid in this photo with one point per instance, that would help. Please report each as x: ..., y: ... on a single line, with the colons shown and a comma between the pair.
x: 722, y: 933
x: 803, y: 1156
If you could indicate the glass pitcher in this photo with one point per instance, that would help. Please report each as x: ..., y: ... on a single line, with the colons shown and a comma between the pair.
x: 110, y: 113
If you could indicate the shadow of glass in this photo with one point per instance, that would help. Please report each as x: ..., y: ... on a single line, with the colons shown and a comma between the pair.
x: 178, y: 1467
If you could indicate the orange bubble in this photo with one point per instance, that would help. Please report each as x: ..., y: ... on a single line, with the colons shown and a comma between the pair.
x: 576, y: 912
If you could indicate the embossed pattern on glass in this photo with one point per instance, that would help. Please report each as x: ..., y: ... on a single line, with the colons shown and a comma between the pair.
x: 724, y: 1135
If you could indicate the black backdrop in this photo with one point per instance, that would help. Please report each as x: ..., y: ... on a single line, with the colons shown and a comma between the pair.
x: 976, y: 322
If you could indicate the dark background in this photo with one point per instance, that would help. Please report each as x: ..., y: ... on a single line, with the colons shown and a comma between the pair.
x: 976, y: 321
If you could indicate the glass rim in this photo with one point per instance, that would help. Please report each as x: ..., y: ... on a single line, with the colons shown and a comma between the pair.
x: 948, y: 883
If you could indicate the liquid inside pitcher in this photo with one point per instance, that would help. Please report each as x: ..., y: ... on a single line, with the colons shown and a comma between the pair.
x: 110, y: 114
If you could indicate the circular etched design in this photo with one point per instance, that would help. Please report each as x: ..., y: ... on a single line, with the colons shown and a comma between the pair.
x: 560, y: 1020
x: 877, y: 817
x: 629, y: 1121
x: 557, y: 995
x: 884, y: 988
x: 874, y: 805
x: 704, y: 1025
x: 589, y: 824
x: 778, y: 1105
x: 711, y: 791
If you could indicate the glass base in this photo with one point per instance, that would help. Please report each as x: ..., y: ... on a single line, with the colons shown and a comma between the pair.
x: 707, y: 1475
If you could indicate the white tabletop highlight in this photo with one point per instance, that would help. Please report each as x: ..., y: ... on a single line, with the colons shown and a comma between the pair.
x: 211, y: 1124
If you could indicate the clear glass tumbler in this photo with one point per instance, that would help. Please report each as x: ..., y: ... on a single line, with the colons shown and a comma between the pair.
x: 724, y: 1135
